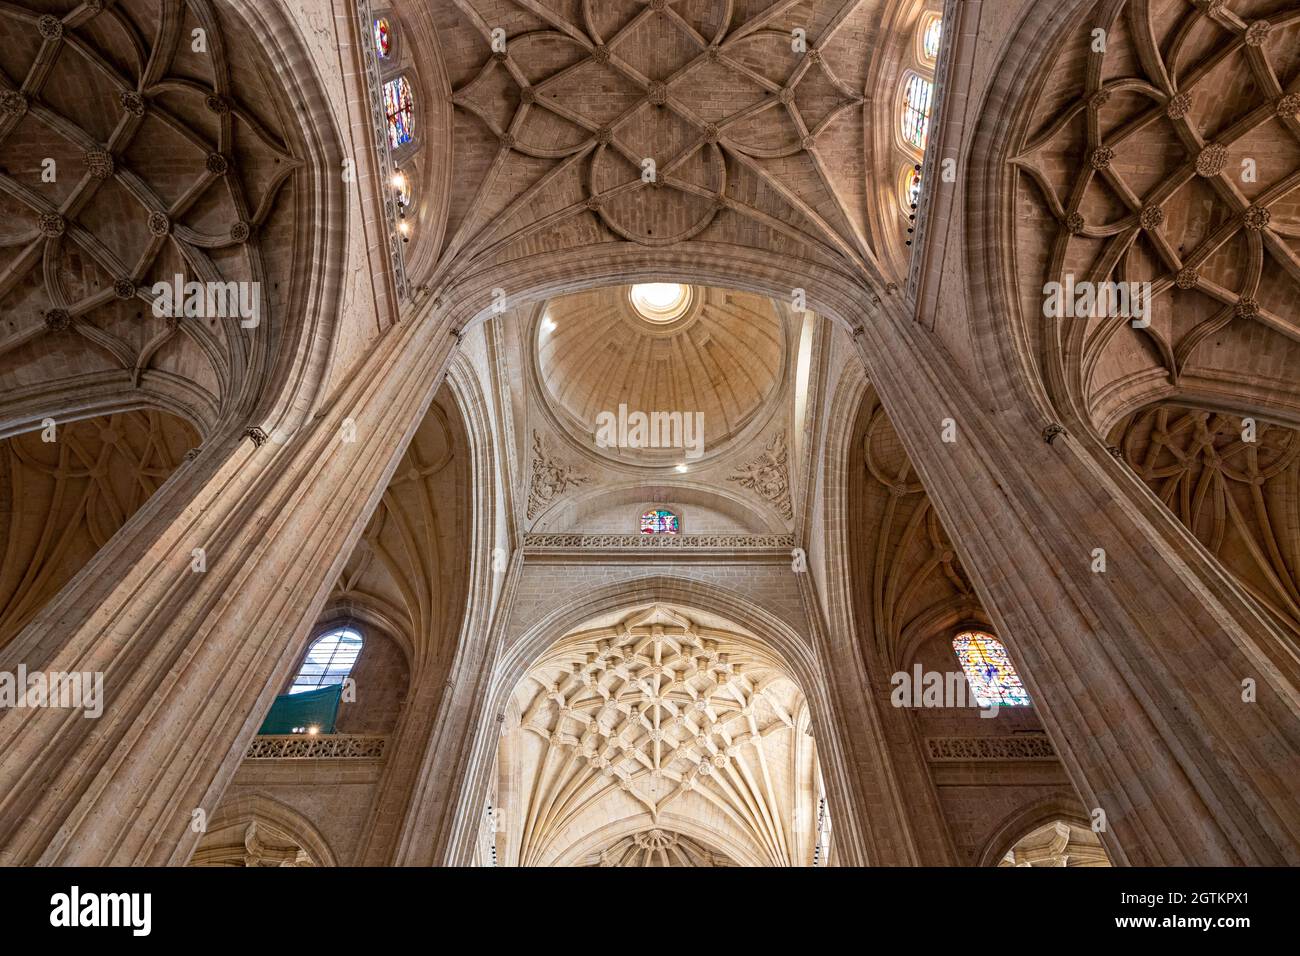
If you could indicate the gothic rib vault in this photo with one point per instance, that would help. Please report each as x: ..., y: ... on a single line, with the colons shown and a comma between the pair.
x: 1172, y: 158
x: 755, y: 139
x: 655, y: 723
x: 160, y: 160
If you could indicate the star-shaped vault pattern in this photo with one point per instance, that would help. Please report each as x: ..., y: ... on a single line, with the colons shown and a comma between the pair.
x: 662, y: 120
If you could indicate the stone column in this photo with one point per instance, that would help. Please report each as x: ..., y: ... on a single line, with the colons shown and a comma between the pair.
x: 888, y: 795
x: 1137, y: 672
x: 191, y: 661
x: 406, y: 755
x: 453, y: 770
x: 423, y: 800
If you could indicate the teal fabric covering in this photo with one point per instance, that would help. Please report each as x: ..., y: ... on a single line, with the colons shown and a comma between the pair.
x: 312, y: 708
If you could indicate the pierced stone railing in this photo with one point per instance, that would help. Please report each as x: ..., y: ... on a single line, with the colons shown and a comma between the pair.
x: 316, y: 747
x: 1015, y: 747
x: 656, y: 542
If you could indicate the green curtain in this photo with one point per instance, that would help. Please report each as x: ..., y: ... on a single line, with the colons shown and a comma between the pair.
x: 312, y: 708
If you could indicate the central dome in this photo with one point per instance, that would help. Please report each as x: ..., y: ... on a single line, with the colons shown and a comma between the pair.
x: 713, y: 356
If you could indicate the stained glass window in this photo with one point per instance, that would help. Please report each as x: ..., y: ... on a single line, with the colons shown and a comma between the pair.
x: 329, y: 660
x: 400, y: 112
x: 930, y: 34
x: 911, y: 187
x: 992, y: 679
x: 383, y: 38
x: 917, y: 94
x: 659, y: 521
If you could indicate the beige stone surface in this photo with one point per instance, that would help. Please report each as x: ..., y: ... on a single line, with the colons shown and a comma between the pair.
x: 899, y: 445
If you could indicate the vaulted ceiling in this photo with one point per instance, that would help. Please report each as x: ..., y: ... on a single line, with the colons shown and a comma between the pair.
x: 625, y: 736
x: 139, y: 140
x: 64, y: 491
x: 1235, y: 483
x: 408, y: 571
x: 908, y: 572
x: 1170, y: 154
x: 753, y: 115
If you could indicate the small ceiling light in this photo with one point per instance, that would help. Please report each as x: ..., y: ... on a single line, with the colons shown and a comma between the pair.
x: 548, y: 324
x: 404, y: 230
x: 313, y: 729
x: 681, y: 469
x: 399, y: 182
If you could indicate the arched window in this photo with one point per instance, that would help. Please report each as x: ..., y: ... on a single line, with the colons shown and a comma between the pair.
x: 988, y: 670
x: 918, y: 93
x: 931, y: 33
x: 399, y: 111
x: 329, y: 660
x: 383, y: 37
x: 659, y: 521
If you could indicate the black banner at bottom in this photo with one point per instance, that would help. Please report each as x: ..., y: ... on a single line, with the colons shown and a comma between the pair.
x: 129, y: 907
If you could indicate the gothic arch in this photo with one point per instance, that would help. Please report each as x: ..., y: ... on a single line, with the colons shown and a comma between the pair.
x: 399, y: 573
x: 959, y: 611
x: 837, y: 294
x: 911, y: 578
x: 685, y: 593
x: 261, y: 808
x: 367, y: 609
x: 709, y: 724
x: 361, y: 615
x: 739, y: 854
x: 864, y: 686
x: 443, y: 676
x: 303, y: 370
x: 1025, y: 820
x: 800, y: 659
x: 1008, y: 359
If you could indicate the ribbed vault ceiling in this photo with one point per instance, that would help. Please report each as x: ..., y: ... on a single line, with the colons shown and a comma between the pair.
x: 128, y: 158
x: 652, y: 725
x: 1171, y: 156
x: 756, y: 136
